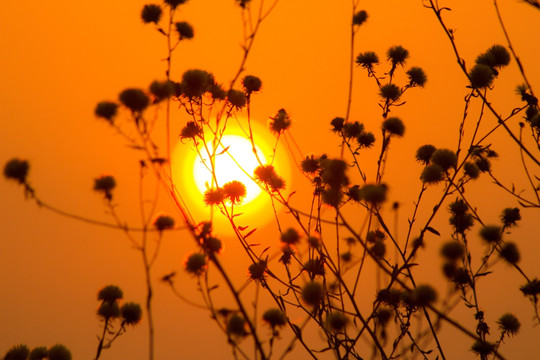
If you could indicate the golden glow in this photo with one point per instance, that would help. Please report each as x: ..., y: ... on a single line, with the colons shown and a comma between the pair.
x: 234, y: 160
x: 192, y: 178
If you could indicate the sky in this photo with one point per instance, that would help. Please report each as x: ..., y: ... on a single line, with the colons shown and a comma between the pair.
x: 60, y: 58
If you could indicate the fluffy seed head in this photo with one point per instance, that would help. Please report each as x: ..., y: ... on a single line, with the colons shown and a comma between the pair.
x: 312, y: 293
x: 509, y: 324
x: 151, y: 13
x: 16, y: 169
x: 163, y: 222
x: 394, y: 126
x: 275, y: 318
x: 106, y: 110
x: 184, y: 30
x: 196, y: 264
x: 134, y: 99
x: 110, y: 294
x: 251, y: 84
x: 131, y: 313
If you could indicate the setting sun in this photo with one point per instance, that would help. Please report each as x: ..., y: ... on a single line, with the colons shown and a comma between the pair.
x: 234, y: 160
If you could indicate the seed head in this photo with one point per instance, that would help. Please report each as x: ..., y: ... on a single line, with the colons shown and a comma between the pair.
x: 235, y: 191
x: 337, y: 124
x: 509, y: 324
x: 360, y: 17
x: 432, y: 174
x: 290, y: 236
x: 161, y: 90
x: 214, y: 196
x: 184, y: 30
x: 151, y: 13
x: 131, y: 313
x: 444, y: 158
x: 16, y: 169
x: 394, y: 126
x: 367, y: 59
x: 390, y: 92
x: 452, y: 250
x: 163, y: 222
x: 424, y: 153
x: 257, y: 270
x: 509, y: 252
x: 134, y: 99
x: 236, y: 98
x: 397, y: 55
x: 424, y: 295
x: 492, y: 234
x: 236, y: 326
x: 39, y: 353
x: 366, y: 140
x: 374, y: 193
x: 481, y: 76
x: 196, y: 82
x: 482, y: 348
x: 110, y: 294
x: 275, y: 318
x: 336, y: 321
x: 280, y: 122
x: 417, y: 77
x: 17, y: 352
x: 59, y: 352
x: 510, y: 217
x: 251, y: 84
x: 310, y: 164
x: 312, y: 293
x: 106, y: 110
x: 174, y: 3
x: 196, y: 264
x: 191, y: 131
x: 471, y: 170
x: 109, y: 310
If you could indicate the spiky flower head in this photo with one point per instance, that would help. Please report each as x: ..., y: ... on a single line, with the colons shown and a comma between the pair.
x: 424, y: 295
x: 337, y: 124
x: 510, y: 217
x: 275, y: 318
x: 314, y: 267
x: 397, y: 55
x: 390, y: 296
x: 59, y: 352
x: 236, y: 326
x: 310, y: 164
x: 432, y: 174
x: 359, y: 17
x: 509, y: 324
x: 212, y: 245
x: 332, y: 196
x: 312, y: 293
x: 39, y: 353
x: 235, y: 191
x: 352, y: 129
x: 510, y: 252
x: 531, y: 288
x: 367, y: 59
x: 445, y: 158
x: 452, y: 250
x: 366, y: 139
x: 482, y: 348
x: 394, y: 126
x: 192, y: 130
x: 424, y: 152
x: 236, y: 98
x: 134, y: 99
x: 131, y: 313
x: 106, y: 110
x: 196, y: 264
x: 390, y: 92
x: 257, y: 270
x: 164, y: 222
x: 110, y: 294
x: 495, y: 56
x: 251, y: 84
x: 417, y: 76
x: 174, y: 3
x: 280, y: 122
x: 378, y: 249
x: 17, y: 352
x: 336, y: 321
x: 184, y: 30
x: 196, y: 82
x: 214, y: 196
x: 17, y: 169
x: 374, y: 193
x: 105, y: 184
x: 290, y: 236
x: 333, y: 172
x: 492, y: 234
x: 481, y: 76
x: 151, y: 13
x: 108, y: 310
x: 471, y: 170
x: 161, y: 90
x: 268, y: 176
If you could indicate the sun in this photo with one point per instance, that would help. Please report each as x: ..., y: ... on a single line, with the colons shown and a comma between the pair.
x: 235, y: 159
x: 191, y: 177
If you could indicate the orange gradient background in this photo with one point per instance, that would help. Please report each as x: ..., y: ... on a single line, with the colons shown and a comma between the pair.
x: 59, y: 58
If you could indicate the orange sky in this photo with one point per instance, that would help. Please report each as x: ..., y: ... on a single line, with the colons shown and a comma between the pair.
x: 59, y: 58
